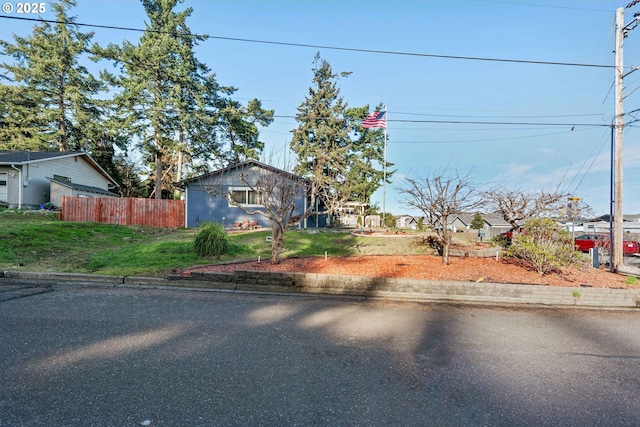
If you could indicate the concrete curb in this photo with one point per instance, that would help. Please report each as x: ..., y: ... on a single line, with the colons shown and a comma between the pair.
x: 369, y: 287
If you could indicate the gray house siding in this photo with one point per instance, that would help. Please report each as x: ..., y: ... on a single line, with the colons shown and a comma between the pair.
x: 204, y: 202
x: 29, y: 174
x: 203, y: 206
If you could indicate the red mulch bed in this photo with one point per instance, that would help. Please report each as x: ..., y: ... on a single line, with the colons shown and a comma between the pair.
x: 430, y: 267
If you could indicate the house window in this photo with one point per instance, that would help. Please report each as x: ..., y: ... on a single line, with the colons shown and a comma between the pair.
x: 245, y: 196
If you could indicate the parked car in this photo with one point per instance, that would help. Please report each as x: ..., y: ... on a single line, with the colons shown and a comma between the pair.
x: 509, y: 234
x: 587, y: 241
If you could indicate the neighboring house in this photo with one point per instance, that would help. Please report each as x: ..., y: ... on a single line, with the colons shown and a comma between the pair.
x: 205, y: 198
x: 30, y: 179
x: 630, y: 224
x: 406, y: 221
x: 494, y: 223
x: 352, y: 214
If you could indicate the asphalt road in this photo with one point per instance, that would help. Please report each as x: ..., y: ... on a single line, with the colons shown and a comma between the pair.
x: 105, y: 356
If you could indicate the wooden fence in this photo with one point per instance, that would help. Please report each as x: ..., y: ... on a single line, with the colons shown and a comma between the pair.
x: 124, y: 211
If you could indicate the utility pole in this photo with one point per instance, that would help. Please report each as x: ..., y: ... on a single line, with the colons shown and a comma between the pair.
x: 615, y: 247
x: 621, y: 32
x: 573, y: 208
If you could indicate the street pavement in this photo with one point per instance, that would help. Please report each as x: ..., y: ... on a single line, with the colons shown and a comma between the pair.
x: 100, y: 355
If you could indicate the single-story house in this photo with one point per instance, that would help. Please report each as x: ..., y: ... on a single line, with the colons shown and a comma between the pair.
x: 30, y: 179
x: 406, y: 221
x: 206, y: 197
x: 494, y: 223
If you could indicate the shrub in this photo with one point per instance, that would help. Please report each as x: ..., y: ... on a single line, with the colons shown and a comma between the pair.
x: 434, y: 242
x: 211, y: 240
x: 502, y: 241
x: 544, y: 246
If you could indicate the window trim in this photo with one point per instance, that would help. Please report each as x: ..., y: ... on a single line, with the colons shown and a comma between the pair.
x: 246, y: 191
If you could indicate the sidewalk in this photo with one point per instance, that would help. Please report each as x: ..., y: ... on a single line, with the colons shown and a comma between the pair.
x: 370, y: 287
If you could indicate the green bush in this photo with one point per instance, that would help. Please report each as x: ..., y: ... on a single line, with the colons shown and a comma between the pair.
x: 211, y: 240
x: 544, y: 246
x: 502, y: 241
x: 434, y: 242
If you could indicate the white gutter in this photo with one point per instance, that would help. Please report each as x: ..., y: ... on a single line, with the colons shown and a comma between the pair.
x: 19, y: 186
x: 186, y: 208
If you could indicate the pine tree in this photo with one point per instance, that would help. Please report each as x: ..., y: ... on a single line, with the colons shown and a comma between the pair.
x: 477, y: 223
x: 322, y: 140
x: 58, y: 110
x: 240, y: 129
x: 171, y: 103
x: 148, y: 92
x: 21, y: 125
x: 366, y: 158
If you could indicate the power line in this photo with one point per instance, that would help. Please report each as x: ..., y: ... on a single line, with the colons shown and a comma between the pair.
x: 316, y: 46
x: 458, y: 122
x: 475, y: 141
x: 510, y: 117
x: 466, y: 122
x: 542, y: 5
x: 470, y: 122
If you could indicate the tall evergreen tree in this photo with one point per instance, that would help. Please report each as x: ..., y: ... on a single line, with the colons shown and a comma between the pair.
x: 21, y: 124
x: 151, y: 87
x: 54, y: 99
x: 240, y: 129
x: 171, y: 103
x: 366, y: 159
x: 322, y: 141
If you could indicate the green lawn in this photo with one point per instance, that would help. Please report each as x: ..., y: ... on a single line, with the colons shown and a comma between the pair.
x: 37, y: 241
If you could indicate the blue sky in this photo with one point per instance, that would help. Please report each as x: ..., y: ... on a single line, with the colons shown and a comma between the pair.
x: 562, y: 139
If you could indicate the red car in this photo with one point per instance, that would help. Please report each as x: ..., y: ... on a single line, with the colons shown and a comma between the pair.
x: 587, y: 241
x: 509, y: 234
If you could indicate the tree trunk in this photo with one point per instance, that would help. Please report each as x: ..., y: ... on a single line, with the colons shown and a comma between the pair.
x: 158, y: 176
x: 446, y: 247
x: 62, y: 126
x: 277, y: 236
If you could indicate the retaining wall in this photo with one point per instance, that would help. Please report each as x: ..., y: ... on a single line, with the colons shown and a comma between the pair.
x: 379, y: 287
x: 431, y: 290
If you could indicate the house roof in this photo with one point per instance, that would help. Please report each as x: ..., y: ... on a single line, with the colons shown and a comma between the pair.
x: 27, y: 156
x: 85, y: 188
x: 493, y: 219
x: 12, y: 157
x: 407, y: 217
x: 627, y: 217
x: 241, y: 165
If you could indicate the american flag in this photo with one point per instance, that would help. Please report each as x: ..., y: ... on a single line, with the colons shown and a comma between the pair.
x: 377, y: 119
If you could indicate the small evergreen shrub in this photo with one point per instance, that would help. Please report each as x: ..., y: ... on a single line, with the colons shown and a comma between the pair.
x: 211, y: 240
x: 502, y: 241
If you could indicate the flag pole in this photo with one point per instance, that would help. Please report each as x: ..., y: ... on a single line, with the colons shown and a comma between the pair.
x: 384, y: 174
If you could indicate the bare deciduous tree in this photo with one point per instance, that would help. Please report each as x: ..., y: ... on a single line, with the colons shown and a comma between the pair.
x: 516, y: 205
x: 440, y: 195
